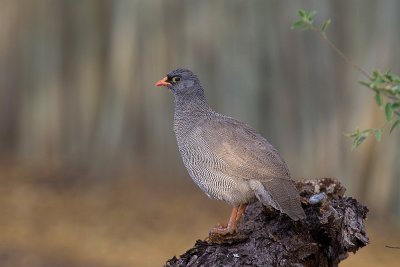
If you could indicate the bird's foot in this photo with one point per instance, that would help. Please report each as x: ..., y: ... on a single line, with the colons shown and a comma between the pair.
x: 227, y: 232
x: 221, y: 234
x: 223, y: 229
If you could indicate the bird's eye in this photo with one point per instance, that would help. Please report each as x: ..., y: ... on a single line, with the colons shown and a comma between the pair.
x: 175, y: 79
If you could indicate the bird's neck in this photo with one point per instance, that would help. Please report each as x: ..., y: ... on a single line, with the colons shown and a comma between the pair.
x: 189, y: 109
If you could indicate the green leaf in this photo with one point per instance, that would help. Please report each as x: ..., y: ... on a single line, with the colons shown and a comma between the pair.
x: 306, y: 20
x: 359, y: 136
x: 378, y: 98
x: 325, y: 25
x: 359, y: 139
x: 396, y: 105
x: 302, y: 13
x: 300, y: 24
x: 395, y: 125
x: 378, y: 135
x: 376, y: 75
x: 389, y: 111
x: 297, y: 24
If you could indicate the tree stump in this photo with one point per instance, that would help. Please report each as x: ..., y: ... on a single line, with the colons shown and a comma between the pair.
x: 334, y: 226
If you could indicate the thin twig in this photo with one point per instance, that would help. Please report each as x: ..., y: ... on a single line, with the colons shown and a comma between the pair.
x: 392, y: 247
x: 323, y: 36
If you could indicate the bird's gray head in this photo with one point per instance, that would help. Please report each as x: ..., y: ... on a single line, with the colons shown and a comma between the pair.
x: 182, y: 82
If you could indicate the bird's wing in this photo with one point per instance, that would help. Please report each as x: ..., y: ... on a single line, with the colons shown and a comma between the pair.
x: 243, y: 151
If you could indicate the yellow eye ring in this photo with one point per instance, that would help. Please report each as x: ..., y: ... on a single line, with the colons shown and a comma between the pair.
x: 175, y: 79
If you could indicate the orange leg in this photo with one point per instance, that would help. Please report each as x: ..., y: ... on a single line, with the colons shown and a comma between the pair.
x: 241, y: 209
x: 232, y: 224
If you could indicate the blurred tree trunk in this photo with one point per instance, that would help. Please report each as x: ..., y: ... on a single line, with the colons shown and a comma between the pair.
x: 76, y: 83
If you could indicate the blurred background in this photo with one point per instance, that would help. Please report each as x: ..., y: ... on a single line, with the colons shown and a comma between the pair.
x: 90, y: 174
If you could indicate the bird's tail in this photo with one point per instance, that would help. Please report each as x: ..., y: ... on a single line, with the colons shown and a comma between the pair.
x: 281, y: 194
x: 285, y: 194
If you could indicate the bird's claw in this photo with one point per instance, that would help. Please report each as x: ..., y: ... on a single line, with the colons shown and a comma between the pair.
x: 222, y: 229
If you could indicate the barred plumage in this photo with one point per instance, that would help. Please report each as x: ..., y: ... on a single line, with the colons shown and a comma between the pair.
x: 227, y: 158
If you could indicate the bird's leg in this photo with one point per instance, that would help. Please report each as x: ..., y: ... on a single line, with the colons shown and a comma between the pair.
x: 236, y: 214
x: 230, y: 228
x: 241, y: 209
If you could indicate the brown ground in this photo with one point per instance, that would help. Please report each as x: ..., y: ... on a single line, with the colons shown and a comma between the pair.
x: 117, y: 223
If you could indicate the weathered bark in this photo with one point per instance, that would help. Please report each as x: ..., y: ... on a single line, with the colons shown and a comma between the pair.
x: 334, y: 227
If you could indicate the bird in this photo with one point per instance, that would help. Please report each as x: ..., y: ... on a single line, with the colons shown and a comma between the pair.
x: 226, y: 158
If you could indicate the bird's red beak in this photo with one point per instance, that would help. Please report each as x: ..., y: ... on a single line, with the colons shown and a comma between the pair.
x: 163, y: 82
